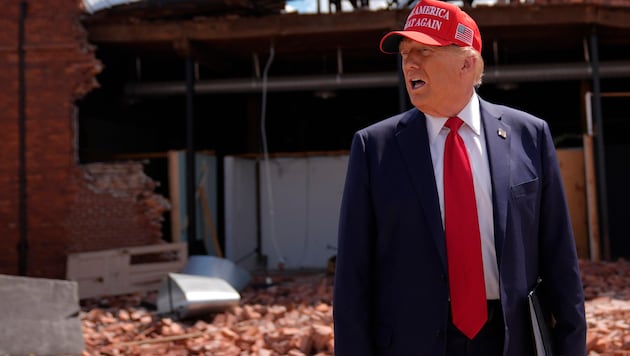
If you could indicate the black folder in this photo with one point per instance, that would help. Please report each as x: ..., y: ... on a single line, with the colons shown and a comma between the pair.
x: 541, y: 329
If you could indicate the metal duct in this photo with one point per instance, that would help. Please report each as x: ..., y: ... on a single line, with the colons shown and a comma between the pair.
x: 184, y: 296
x: 497, y: 74
x: 239, y: 85
x: 92, y: 6
x: 554, y: 72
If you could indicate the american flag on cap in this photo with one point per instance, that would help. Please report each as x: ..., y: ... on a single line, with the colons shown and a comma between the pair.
x: 464, y: 34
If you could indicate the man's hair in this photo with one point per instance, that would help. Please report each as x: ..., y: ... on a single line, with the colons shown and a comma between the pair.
x: 479, y: 65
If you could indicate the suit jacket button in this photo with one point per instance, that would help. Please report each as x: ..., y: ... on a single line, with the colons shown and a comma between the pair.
x: 439, y: 333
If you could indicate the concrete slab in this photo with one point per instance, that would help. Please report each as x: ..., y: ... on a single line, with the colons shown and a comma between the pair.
x: 39, y: 316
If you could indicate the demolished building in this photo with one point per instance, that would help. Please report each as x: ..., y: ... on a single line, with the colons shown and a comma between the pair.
x: 266, y: 96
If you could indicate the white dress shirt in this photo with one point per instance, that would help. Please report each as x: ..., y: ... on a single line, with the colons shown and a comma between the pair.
x: 473, y: 136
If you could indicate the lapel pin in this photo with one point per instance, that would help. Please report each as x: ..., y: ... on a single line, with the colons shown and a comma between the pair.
x: 502, y: 133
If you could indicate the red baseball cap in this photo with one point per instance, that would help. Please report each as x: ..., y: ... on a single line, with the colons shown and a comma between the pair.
x: 435, y: 23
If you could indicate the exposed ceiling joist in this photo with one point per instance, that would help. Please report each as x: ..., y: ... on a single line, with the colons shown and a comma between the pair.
x: 278, y: 26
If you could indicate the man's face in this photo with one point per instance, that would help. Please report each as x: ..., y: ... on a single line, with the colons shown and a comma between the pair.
x: 433, y: 77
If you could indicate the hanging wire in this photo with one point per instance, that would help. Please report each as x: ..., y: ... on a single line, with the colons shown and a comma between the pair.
x: 263, y: 130
x: 307, y: 213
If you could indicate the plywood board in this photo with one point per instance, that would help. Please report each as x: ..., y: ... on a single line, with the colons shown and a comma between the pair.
x: 205, y: 204
x: 571, y: 162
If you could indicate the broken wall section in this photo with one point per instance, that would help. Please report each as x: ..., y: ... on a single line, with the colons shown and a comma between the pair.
x: 116, y: 207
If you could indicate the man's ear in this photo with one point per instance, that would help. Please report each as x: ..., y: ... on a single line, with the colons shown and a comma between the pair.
x: 469, y: 64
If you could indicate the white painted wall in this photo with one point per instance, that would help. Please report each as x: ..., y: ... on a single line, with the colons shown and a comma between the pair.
x: 299, y: 209
x: 240, y: 211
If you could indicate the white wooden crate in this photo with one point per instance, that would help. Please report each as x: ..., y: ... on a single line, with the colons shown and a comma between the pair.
x: 113, y: 272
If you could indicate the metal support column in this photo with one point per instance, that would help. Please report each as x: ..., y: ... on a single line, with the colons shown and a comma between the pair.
x: 599, y: 147
x: 191, y: 185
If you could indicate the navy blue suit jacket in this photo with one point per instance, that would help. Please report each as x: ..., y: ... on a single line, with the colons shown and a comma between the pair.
x: 391, y: 284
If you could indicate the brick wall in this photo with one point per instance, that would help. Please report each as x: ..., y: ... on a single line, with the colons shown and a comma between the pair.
x: 60, y: 68
x: 8, y: 137
x: 116, y: 207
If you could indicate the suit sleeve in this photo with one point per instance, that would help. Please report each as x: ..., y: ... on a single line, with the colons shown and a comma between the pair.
x: 558, y: 264
x: 352, y: 290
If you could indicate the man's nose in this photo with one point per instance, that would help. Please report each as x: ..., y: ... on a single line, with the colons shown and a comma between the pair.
x: 412, y: 61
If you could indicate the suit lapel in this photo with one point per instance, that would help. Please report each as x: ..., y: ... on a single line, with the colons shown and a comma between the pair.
x: 413, y: 141
x: 498, y: 138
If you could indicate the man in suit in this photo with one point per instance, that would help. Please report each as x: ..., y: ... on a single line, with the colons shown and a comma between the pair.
x: 451, y: 213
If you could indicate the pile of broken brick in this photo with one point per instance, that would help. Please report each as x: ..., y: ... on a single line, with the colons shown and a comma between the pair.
x: 607, y: 292
x: 292, y: 315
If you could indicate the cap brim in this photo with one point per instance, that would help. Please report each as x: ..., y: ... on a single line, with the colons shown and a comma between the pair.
x: 389, y: 42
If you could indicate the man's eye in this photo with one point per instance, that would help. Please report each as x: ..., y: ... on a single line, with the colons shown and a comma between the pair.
x: 421, y: 51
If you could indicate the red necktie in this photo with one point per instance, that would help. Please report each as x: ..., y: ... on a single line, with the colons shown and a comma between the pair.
x: 463, y: 244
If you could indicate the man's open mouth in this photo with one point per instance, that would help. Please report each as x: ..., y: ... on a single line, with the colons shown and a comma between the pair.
x: 417, y: 83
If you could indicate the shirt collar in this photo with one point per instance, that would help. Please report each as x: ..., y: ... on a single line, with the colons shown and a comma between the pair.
x: 469, y: 114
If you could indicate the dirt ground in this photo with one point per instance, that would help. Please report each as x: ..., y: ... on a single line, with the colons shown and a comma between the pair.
x: 293, y: 316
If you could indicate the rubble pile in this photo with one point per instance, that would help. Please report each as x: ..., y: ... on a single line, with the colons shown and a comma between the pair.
x: 607, y: 291
x: 292, y: 315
